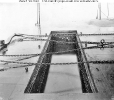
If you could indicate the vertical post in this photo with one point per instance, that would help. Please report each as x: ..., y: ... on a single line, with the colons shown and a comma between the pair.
x: 97, y: 14
x: 38, y: 19
x: 99, y: 11
x: 108, y: 10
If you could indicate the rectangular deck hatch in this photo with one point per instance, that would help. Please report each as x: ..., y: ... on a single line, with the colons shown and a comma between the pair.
x: 62, y: 78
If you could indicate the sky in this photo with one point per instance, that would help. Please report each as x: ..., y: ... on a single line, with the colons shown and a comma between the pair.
x: 21, y: 17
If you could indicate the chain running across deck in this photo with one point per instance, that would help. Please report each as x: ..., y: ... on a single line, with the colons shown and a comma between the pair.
x: 88, y: 42
x: 79, y: 34
x: 34, y: 55
x: 31, y: 64
x: 100, y: 45
x: 67, y: 51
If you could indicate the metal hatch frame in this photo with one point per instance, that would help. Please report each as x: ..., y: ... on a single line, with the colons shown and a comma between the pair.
x: 39, y: 76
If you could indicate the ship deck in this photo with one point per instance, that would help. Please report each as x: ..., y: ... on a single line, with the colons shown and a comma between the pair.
x: 14, y: 81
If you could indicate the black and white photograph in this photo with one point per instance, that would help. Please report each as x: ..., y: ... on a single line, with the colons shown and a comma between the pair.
x: 57, y: 50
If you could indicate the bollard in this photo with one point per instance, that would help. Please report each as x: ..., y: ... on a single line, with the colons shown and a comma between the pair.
x: 85, y: 44
x: 26, y: 69
x: 39, y: 46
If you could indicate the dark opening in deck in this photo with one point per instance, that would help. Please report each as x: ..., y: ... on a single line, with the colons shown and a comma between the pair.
x: 39, y: 82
